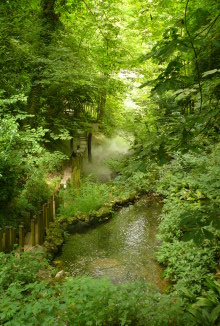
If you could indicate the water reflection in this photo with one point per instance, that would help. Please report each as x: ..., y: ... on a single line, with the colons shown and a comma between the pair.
x: 121, y: 249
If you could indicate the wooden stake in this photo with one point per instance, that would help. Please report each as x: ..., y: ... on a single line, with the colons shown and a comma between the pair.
x: 44, y: 216
x: 54, y: 208
x: 51, y: 209
x: 47, y: 216
x: 14, y: 236
x: 11, y: 238
x: 21, y: 238
x: 32, y: 232
x: 1, y: 240
x: 40, y: 229
x: 7, y: 239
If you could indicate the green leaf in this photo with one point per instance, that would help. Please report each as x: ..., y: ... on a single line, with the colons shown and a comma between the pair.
x: 215, y: 314
x: 210, y: 72
x: 203, y: 302
x: 209, y: 235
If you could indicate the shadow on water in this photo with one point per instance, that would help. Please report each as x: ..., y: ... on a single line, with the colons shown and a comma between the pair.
x: 121, y: 249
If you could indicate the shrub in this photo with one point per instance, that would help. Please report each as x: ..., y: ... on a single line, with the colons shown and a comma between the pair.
x: 50, y: 162
x: 86, y: 301
x: 90, y: 197
x: 35, y: 191
x: 21, y: 268
x: 190, y: 226
x: 186, y: 265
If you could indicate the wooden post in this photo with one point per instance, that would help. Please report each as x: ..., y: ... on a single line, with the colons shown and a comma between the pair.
x: 21, y: 238
x: 11, y: 238
x: 1, y: 240
x: 32, y: 232
x: 14, y: 235
x: 47, y: 216
x: 7, y: 239
x: 74, y: 175
x: 72, y: 163
x: 48, y: 212
x: 54, y: 207
x: 40, y: 233
x: 42, y: 227
x: 90, y: 147
x: 44, y: 215
x: 51, y: 209
x: 56, y: 198
x: 37, y: 230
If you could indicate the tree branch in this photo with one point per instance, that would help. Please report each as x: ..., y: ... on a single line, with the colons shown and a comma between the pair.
x: 195, y: 54
x: 209, y: 27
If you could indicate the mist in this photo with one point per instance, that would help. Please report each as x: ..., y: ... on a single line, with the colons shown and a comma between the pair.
x: 103, y: 149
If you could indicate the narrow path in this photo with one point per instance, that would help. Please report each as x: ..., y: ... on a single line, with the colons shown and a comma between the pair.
x: 67, y: 174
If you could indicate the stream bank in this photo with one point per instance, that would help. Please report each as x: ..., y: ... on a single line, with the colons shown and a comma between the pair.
x: 56, y: 231
x: 120, y: 249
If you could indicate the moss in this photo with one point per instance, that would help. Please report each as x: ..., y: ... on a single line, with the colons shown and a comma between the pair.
x: 104, y: 212
x: 55, y: 237
x: 72, y: 220
x: 81, y: 216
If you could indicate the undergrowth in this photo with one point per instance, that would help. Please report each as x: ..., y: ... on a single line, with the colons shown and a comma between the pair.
x: 89, y: 197
x: 190, y: 225
x: 27, y: 299
x: 189, y: 232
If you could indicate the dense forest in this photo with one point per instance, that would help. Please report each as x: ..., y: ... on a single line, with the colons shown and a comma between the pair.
x: 149, y: 71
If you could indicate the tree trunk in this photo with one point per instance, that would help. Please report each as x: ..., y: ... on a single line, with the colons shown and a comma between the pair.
x: 90, y: 147
x: 101, y: 108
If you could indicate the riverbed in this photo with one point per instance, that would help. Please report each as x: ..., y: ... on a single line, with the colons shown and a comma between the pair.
x: 121, y: 249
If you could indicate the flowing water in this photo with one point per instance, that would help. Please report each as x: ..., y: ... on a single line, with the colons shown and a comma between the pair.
x: 121, y: 249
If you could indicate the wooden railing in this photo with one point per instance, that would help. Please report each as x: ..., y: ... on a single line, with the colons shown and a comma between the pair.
x: 76, y: 170
x: 39, y: 224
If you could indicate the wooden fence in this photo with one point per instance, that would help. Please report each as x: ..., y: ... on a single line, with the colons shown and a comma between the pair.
x: 76, y: 170
x: 39, y: 224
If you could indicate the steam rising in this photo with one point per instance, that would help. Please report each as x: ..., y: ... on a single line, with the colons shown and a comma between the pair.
x: 104, y: 149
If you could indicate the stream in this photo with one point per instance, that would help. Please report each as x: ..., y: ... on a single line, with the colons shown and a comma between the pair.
x: 120, y: 249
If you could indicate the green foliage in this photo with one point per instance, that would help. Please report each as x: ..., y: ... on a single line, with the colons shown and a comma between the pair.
x: 35, y: 191
x: 50, y: 162
x: 186, y: 265
x: 89, y: 197
x: 191, y: 188
x: 10, y: 159
x: 191, y: 181
x: 206, y: 310
x: 9, y: 175
x: 24, y: 164
x: 69, y: 62
x: 79, y: 301
x: 134, y: 174
x: 20, y: 268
